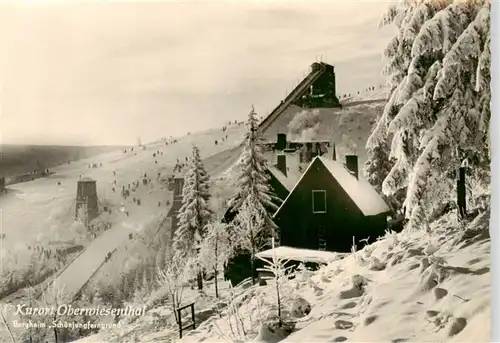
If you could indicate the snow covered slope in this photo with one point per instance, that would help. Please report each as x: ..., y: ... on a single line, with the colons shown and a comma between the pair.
x: 40, y: 214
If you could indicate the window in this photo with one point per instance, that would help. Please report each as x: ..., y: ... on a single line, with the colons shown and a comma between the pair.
x: 319, y: 201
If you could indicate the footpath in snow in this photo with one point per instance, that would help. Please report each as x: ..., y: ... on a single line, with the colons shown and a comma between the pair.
x: 76, y: 275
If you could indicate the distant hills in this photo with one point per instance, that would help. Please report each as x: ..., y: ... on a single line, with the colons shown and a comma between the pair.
x: 21, y: 159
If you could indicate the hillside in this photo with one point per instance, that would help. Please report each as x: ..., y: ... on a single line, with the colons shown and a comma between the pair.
x: 38, y: 216
x: 21, y: 159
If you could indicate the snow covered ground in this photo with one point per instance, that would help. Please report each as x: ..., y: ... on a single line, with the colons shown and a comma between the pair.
x: 378, y: 93
x: 415, y: 287
x: 407, y: 287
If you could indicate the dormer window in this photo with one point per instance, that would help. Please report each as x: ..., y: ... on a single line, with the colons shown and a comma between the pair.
x: 319, y: 201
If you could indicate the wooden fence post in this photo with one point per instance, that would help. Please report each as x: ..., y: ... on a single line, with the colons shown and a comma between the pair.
x: 190, y: 325
x: 461, y: 194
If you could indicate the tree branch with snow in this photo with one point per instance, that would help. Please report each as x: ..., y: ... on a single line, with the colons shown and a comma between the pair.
x: 215, y: 249
x: 250, y: 230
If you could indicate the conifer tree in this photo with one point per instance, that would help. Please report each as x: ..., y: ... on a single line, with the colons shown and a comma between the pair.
x: 438, y: 111
x: 195, y: 212
x: 252, y: 179
x: 378, y: 165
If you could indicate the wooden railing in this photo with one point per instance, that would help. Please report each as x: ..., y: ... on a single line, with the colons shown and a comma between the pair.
x: 188, y: 325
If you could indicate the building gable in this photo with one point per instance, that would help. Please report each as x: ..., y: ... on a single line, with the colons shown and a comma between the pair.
x: 358, y: 189
x: 316, y: 178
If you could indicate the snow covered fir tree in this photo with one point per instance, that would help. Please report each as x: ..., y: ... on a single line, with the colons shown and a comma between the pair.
x: 195, y: 212
x: 437, y: 116
x: 251, y: 178
x: 251, y: 182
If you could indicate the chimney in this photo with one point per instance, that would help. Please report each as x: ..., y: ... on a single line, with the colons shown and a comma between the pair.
x: 334, y: 156
x: 282, y: 163
x: 317, y: 149
x: 351, y: 162
x: 309, y: 152
x: 334, y: 86
x: 281, y: 142
x: 462, y: 207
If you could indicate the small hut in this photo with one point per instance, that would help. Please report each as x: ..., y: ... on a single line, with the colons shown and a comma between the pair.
x: 86, y: 197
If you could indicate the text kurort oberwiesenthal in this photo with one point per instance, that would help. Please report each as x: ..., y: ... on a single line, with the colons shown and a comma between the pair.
x: 62, y: 310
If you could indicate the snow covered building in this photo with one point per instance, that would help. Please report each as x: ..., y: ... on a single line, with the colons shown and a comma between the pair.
x: 328, y: 206
x: 285, y: 166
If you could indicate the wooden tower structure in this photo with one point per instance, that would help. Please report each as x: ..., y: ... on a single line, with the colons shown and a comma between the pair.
x: 86, y: 197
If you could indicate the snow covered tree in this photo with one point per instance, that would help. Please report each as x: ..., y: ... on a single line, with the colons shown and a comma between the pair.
x: 195, y: 212
x: 378, y: 165
x: 250, y: 234
x: 54, y: 296
x: 252, y: 179
x: 279, y: 267
x: 215, y: 249
x: 173, y: 278
x: 408, y: 16
x: 438, y: 111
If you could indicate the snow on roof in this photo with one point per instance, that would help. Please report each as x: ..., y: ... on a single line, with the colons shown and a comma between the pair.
x: 301, y: 140
x: 287, y: 181
x: 86, y: 179
x: 359, y: 190
x: 293, y: 173
x: 302, y: 255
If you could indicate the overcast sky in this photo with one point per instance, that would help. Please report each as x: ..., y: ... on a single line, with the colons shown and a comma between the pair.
x: 107, y: 73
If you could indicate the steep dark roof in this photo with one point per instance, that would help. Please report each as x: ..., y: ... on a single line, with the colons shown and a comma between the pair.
x: 359, y: 190
x: 290, y: 179
x: 318, y: 69
x: 287, y: 181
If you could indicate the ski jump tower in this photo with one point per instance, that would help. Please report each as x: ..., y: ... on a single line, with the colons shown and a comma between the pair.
x: 86, y: 197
